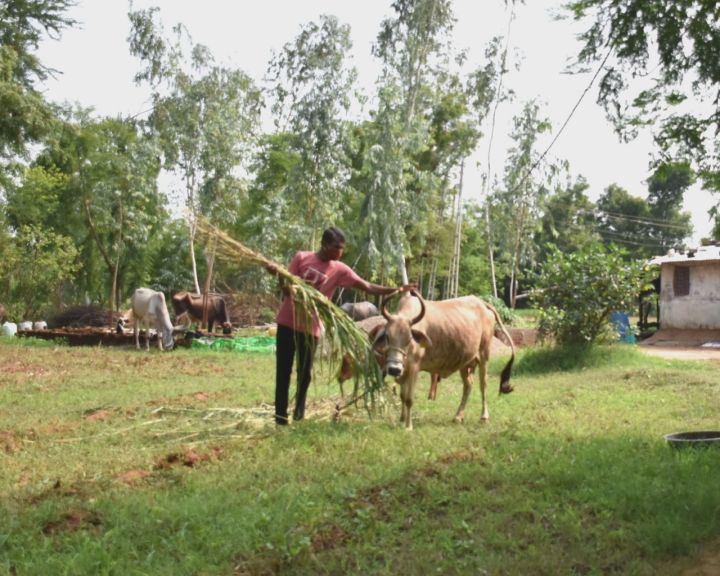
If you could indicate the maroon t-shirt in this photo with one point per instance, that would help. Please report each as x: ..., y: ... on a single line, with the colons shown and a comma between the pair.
x: 325, y: 276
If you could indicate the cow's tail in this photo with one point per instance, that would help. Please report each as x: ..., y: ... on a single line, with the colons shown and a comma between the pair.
x: 502, y: 333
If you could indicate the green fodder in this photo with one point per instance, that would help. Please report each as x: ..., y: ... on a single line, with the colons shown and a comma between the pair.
x: 342, y: 336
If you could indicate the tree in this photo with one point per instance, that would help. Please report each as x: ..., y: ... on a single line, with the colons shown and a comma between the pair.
x: 206, y: 117
x: 645, y: 227
x: 576, y: 292
x: 673, y: 46
x: 568, y: 220
x: 517, y: 204
x: 623, y: 219
x: 25, y: 114
x: 33, y: 266
x: 96, y: 183
x: 666, y: 191
x: 411, y: 49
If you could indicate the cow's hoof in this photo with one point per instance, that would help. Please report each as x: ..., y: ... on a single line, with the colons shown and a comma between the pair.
x: 459, y: 419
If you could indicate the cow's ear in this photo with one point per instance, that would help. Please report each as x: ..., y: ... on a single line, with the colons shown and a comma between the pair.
x: 377, y: 335
x: 421, y: 338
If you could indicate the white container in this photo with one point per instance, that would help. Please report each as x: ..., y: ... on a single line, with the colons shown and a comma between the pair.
x: 25, y: 325
x: 8, y: 329
x: 40, y: 325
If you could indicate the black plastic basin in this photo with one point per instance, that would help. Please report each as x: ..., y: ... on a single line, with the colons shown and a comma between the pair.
x: 700, y: 439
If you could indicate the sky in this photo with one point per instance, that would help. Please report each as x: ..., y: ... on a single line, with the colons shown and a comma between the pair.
x: 95, y: 69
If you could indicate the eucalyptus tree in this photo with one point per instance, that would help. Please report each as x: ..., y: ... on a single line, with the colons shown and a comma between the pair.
x: 25, y: 114
x: 673, y: 47
x: 517, y: 202
x: 412, y: 47
x: 206, y: 117
x: 312, y: 84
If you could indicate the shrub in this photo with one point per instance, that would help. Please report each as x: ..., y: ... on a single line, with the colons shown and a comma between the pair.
x: 576, y: 293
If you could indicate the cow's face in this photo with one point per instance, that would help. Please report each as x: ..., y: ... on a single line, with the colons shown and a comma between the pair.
x: 396, y: 342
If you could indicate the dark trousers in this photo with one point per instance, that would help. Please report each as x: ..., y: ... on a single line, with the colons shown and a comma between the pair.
x: 288, y: 344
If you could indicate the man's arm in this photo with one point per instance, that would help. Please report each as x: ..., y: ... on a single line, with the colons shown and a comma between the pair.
x: 380, y: 290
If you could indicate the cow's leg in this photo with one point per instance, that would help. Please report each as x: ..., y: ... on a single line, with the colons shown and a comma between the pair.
x: 434, y: 379
x: 483, y: 387
x: 136, y: 333
x: 407, y: 391
x: 466, y: 373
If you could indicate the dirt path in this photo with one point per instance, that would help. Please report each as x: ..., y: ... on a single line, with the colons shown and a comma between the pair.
x: 680, y: 353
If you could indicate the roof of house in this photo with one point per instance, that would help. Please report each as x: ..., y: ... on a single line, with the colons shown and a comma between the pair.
x: 704, y: 254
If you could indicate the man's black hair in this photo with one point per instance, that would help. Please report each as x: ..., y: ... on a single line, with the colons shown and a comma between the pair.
x: 332, y: 235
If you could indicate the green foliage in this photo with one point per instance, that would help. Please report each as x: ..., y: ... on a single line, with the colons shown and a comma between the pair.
x: 507, y: 315
x: 313, y: 83
x: 576, y: 293
x: 205, y: 116
x: 673, y: 46
x: 23, y: 24
x: 32, y: 268
x: 568, y: 220
x: 646, y: 228
x: 516, y: 205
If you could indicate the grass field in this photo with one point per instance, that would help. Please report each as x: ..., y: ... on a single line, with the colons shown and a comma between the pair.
x: 114, y: 461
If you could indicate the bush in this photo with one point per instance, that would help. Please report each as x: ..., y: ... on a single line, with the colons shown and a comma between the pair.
x: 576, y: 293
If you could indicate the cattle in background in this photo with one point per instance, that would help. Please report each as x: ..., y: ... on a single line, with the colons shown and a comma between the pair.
x: 360, y: 310
x: 149, y: 309
x: 190, y: 307
x: 441, y: 337
x: 2, y: 313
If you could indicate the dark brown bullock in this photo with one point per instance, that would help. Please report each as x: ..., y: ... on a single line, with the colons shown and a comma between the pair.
x: 441, y: 337
x: 191, y: 305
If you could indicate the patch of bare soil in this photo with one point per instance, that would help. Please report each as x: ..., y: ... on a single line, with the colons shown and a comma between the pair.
x: 188, y: 457
x: 71, y: 521
x: 682, y: 344
x: 707, y: 562
x: 132, y: 476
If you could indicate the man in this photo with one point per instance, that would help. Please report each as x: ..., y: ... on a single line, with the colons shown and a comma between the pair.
x: 324, y: 271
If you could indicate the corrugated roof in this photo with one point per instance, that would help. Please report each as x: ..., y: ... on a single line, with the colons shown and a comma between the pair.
x: 700, y: 254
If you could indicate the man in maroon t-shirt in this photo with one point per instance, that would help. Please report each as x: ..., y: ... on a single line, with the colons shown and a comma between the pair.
x: 324, y: 271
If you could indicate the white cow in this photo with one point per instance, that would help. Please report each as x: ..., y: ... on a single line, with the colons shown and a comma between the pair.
x: 149, y: 309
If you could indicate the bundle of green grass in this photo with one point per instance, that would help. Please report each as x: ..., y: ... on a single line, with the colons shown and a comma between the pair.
x: 341, y: 334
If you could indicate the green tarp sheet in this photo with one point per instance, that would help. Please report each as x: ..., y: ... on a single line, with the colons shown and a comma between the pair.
x: 262, y: 344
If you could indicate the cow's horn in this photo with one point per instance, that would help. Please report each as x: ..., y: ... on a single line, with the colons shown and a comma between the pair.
x: 383, y: 306
x: 422, y: 308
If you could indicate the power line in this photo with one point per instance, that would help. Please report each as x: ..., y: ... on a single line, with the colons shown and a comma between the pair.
x: 653, y: 221
x: 564, y: 125
x: 656, y: 222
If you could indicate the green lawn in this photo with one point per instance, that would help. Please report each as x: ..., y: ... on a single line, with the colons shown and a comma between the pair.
x: 114, y: 461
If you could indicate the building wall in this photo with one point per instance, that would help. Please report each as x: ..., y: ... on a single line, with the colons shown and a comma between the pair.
x: 700, y: 309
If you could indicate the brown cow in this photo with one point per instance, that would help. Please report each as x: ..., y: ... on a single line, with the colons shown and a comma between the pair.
x: 191, y: 306
x: 443, y: 337
x: 372, y: 327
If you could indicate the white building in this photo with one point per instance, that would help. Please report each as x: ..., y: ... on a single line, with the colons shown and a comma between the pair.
x: 690, y: 289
